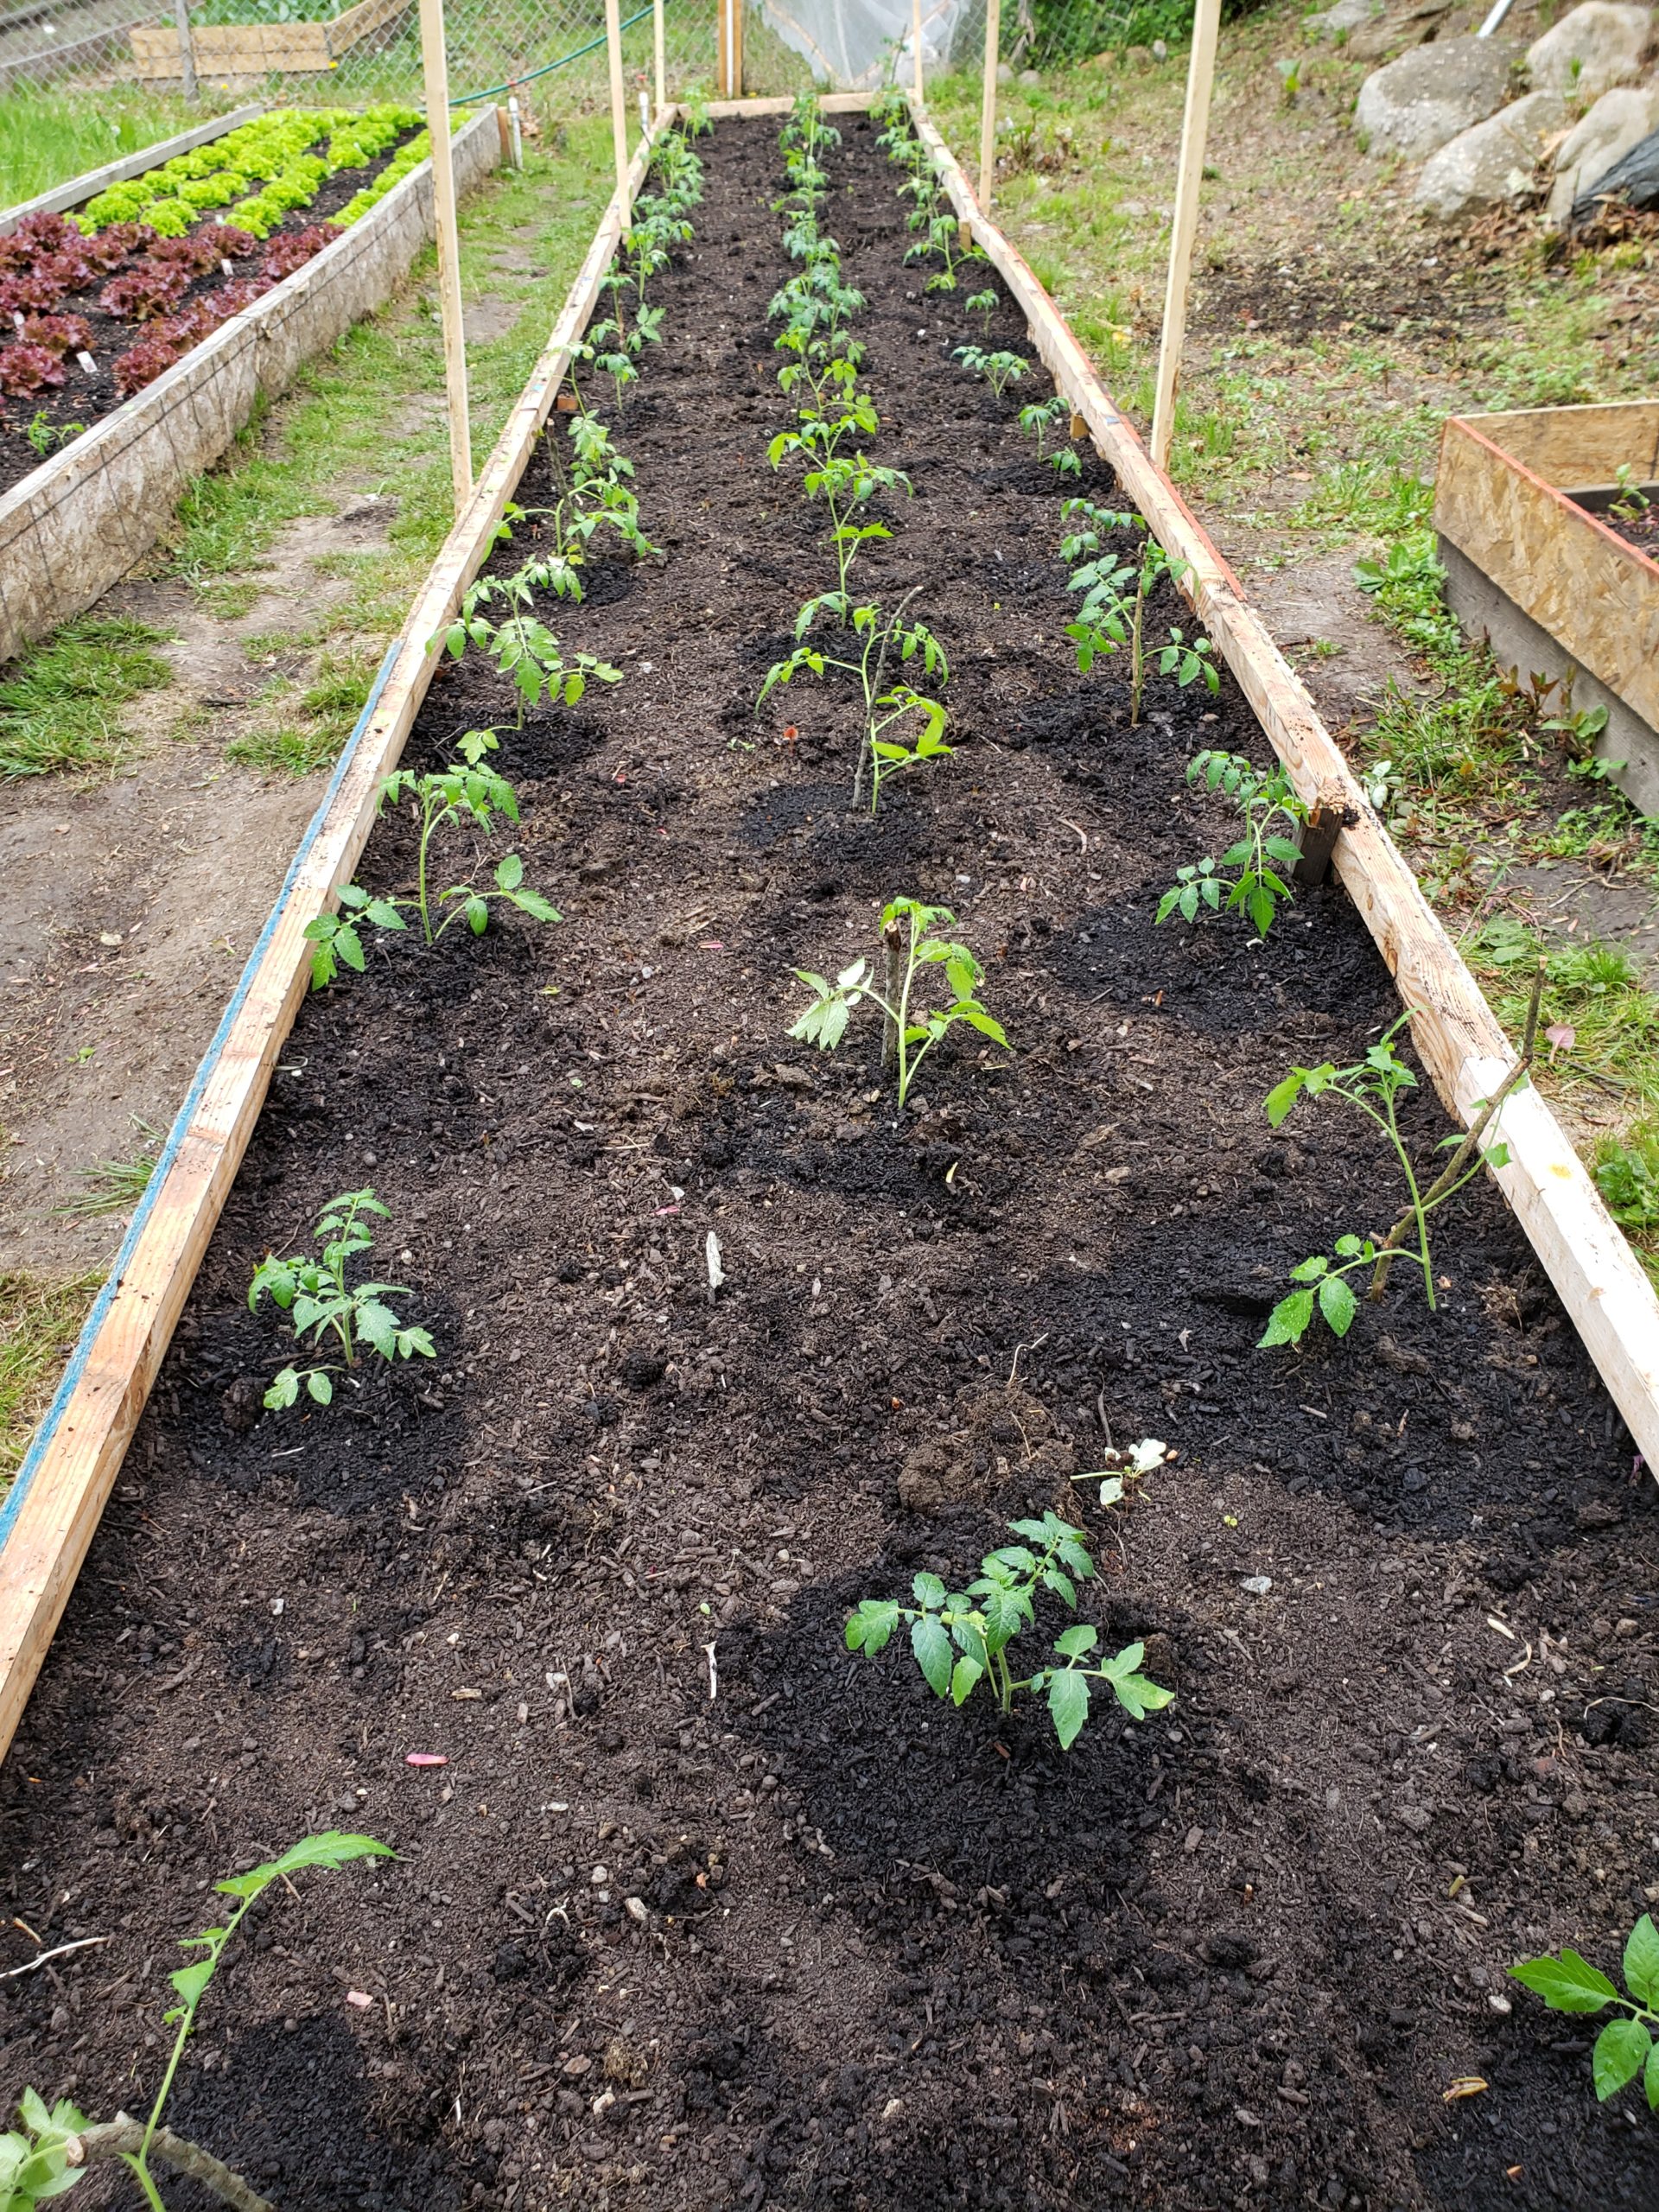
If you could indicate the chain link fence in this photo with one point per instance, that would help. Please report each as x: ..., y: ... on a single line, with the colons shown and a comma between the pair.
x: 551, y: 53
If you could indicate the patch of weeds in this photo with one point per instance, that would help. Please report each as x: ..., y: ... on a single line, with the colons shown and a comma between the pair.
x: 1467, y: 741
x: 311, y: 733
x: 115, y: 1186
x: 59, y: 703
x: 230, y: 599
x: 1376, y: 497
x: 39, y: 1318
x: 1603, y: 1022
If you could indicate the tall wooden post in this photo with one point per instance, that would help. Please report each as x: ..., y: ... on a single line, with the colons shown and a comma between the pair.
x: 916, y: 41
x: 988, y: 102
x: 1200, y: 78
x: 618, y: 98
x: 659, y: 55
x: 187, y: 51
x: 729, y: 15
x: 435, y: 64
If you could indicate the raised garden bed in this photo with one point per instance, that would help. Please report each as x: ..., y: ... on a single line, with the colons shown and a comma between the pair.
x: 299, y: 46
x: 97, y: 303
x: 1546, y: 525
x: 71, y: 524
x: 780, y: 1928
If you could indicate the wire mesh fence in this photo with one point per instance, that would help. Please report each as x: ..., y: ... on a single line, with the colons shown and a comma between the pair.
x: 312, y: 50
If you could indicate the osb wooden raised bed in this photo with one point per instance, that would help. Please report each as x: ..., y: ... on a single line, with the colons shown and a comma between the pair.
x: 75, y: 524
x: 1538, y: 560
x: 258, y: 50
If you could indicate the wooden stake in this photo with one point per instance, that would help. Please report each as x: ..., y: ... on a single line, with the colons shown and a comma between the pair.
x: 916, y: 41
x: 731, y: 48
x: 659, y: 55
x: 435, y: 64
x: 187, y: 51
x: 619, y: 99
x: 988, y: 104
x: 1200, y: 77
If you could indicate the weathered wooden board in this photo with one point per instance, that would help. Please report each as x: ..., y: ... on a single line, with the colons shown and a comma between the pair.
x: 1596, y: 1275
x: 50, y: 1514
x: 255, y: 49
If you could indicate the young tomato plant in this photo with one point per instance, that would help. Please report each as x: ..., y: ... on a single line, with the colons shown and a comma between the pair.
x: 982, y: 303
x: 1626, y: 2046
x: 845, y: 483
x: 1264, y: 797
x: 524, y: 648
x: 885, y: 711
x: 329, y: 1309
x: 908, y: 946
x: 338, y: 938
x: 1374, y: 1087
x: 474, y: 792
x: 960, y: 1639
x: 1037, y: 419
x: 1112, y: 615
x: 55, y: 2149
x: 999, y: 370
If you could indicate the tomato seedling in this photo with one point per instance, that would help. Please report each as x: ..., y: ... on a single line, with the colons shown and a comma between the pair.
x: 903, y: 727
x: 908, y: 946
x: 960, y: 1639
x: 1264, y: 797
x: 329, y: 1309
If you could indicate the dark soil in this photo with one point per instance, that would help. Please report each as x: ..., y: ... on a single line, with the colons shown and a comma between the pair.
x: 1640, y: 529
x: 84, y: 400
x: 702, y: 1912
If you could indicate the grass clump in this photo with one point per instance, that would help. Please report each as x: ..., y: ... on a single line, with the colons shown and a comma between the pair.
x: 311, y: 733
x: 45, y: 138
x: 39, y: 1318
x: 60, y: 700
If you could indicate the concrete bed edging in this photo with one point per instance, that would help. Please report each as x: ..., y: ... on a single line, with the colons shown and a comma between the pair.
x: 75, y: 526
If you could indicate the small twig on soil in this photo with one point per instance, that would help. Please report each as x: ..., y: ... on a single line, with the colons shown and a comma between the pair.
x: 125, y: 2137
x: 1449, y: 1175
x: 63, y: 1950
x: 713, y: 1675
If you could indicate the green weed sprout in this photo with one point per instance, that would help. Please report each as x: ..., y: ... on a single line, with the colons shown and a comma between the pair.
x: 885, y: 710
x: 329, y: 1309
x: 55, y: 2149
x: 1264, y: 797
x: 908, y: 947
x: 1373, y: 1087
x: 960, y: 1639
x: 1626, y: 2046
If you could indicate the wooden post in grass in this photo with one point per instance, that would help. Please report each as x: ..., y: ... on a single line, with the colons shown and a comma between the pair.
x: 618, y: 98
x: 436, y: 64
x: 916, y: 41
x: 659, y: 55
x: 988, y: 102
x: 187, y: 51
x: 1200, y: 77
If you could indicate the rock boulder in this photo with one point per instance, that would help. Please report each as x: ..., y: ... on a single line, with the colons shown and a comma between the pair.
x: 1414, y: 105
x: 1493, y: 162
x: 1597, y: 45
x: 1619, y: 120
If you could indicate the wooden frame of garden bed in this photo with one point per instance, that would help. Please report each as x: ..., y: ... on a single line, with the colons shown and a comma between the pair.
x: 1554, y: 589
x: 74, y: 525
x: 258, y: 50
x: 48, y: 1519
